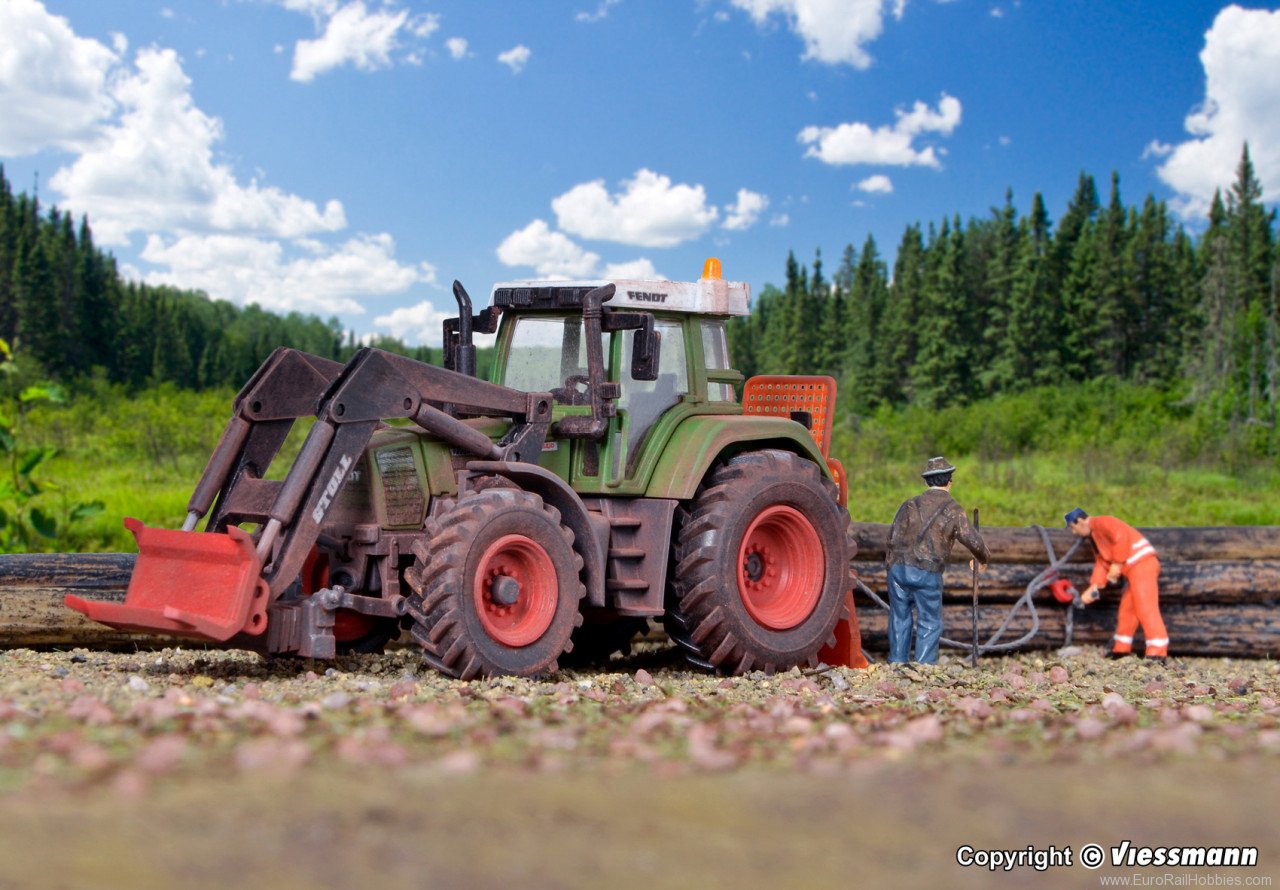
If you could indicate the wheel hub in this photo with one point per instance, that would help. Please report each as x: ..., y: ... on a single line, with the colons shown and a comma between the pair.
x: 515, y: 590
x: 504, y: 590
x: 781, y: 569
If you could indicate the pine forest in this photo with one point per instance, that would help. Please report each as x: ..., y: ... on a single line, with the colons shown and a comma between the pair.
x: 971, y: 309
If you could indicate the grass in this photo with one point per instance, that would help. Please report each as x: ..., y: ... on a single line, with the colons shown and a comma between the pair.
x: 1040, y: 488
x: 1023, y: 459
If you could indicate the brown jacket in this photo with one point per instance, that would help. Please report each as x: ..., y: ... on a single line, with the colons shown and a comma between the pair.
x: 925, y: 528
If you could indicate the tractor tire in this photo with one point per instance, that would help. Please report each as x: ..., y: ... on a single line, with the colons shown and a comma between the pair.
x: 496, y: 586
x: 760, y: 566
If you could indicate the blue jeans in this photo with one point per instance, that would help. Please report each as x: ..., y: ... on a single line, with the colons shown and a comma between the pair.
x: 910, y: 588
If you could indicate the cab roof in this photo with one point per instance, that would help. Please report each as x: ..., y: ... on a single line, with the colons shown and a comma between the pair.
x: 706, y: 296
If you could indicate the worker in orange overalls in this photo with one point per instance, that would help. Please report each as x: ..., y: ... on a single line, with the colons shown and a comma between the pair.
x: 1122, y: 550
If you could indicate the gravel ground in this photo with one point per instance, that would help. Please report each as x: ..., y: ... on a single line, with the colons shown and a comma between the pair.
x: 242, y: 765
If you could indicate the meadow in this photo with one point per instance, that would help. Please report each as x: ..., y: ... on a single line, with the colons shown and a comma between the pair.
x: 1023, y: 459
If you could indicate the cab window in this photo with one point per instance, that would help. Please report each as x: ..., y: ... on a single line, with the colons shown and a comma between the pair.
x: 715, y: 350
x: 545, y: 351
x: 647, y: 400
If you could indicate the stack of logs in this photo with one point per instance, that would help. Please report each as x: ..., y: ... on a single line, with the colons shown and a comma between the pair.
x: 1219, y: 589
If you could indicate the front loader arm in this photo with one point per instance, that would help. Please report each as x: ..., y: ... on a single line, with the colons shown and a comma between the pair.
x: 376, y: 385
x: 220, y: 583
x: 286, y: 386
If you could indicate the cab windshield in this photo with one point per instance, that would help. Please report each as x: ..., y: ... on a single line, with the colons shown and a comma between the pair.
x: 546, y: 350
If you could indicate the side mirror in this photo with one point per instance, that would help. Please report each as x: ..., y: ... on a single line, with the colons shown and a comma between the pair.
x: 645, y: 348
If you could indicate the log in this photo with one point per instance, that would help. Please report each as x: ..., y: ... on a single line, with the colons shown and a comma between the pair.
x: 1224, y: 582
x: 1218, y: 595
x: 32, y: 587
x: 1024, y: 545
x: 1194, y: 629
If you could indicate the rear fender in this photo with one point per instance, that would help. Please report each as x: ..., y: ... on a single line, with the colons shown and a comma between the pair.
x: 703, y: 439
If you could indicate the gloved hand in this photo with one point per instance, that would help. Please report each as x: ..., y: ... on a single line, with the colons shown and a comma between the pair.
x: 1090, y: 596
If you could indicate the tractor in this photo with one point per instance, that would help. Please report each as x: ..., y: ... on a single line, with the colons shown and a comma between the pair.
x: 607, y: 474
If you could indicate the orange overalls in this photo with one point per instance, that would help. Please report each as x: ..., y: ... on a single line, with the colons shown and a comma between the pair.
x: 1119, y: 542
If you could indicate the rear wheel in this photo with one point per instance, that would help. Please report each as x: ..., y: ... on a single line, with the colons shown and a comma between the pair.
x: 760, y: 565
x: 496, y: 586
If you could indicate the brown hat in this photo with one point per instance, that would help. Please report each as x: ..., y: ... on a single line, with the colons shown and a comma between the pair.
x: 937, y: 466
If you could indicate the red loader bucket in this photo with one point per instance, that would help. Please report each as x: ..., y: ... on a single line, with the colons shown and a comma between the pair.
x: 193, y: 584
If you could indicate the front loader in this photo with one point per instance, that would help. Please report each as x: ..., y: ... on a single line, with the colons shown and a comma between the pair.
x: 606, y: 476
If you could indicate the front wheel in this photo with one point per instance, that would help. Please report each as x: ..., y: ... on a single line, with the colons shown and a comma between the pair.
x: 761, y: 565
x: 496, y: 586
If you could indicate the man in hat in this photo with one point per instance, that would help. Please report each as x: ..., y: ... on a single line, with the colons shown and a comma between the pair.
x: 1122, y: 550
x: 920, y: 541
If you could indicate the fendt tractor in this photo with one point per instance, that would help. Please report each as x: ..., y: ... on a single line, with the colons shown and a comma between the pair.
x: 607, y: 475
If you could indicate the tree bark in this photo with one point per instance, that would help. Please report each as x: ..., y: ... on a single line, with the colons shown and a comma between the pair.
x: 1025, y: 545
x: 1242, y: 631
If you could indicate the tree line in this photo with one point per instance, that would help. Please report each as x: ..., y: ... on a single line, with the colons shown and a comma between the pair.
x: 969, y: 310
x: 1008, y: 302
x: 65, y: 306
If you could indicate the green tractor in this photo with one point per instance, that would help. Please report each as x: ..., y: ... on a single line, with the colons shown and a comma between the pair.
x: 606, y: 475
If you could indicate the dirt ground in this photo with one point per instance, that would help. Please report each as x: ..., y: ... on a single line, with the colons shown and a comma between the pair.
x: 211, y: 769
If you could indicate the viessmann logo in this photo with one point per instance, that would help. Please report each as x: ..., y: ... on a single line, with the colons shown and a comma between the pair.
x: 335, y: 481
x: 1124, y: 855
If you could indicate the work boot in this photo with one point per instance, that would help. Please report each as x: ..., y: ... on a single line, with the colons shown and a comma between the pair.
x: 1115, y: 656
x: 1158, y: 659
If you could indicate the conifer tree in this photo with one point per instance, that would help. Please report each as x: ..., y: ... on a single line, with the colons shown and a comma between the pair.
x: 867, y: 301
x: 1029, y: 353
x: 895, y: 348
x: 942, y: 371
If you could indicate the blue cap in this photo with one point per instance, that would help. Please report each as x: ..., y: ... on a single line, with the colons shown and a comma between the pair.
x: 1075, y: 516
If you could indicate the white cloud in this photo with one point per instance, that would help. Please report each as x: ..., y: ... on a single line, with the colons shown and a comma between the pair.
x: 457, y: 47
x: 834, y: 31
x: 354, y: 35
x: 894, y: 146
x: 877, y: 185
x: 557, y: 256
x: 1241, y: 56
x: 422, y: 323
x: 154, y: 168
x: 780, y: 219
x: 635, y: 269
x: 600, y: 13
x: 145, y: 162
x: 744, y: 213
x: 53, y: 84
x: 516, y: 58
x: 306, y: 277
x: 551, y: 254
x: 649, y: 212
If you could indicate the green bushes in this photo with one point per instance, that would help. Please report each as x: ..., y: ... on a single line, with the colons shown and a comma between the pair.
x: 1029, y: 456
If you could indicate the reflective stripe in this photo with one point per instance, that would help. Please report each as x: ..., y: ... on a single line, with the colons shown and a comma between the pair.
x: 1160, y: 643
x: 1120, y: 639
x: 1148, y: 550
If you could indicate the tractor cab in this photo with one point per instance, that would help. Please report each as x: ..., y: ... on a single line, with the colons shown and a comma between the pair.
x: 663, y: 357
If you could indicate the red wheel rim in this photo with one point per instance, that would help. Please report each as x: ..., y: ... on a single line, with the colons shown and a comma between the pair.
x: 780, y: 568
x: 347, y: 625
x: 524, y: 561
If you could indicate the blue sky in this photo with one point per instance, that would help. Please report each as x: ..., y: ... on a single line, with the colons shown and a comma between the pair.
x: 353, y: 157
